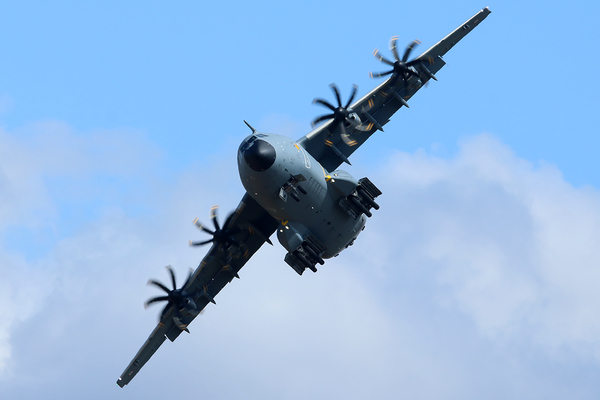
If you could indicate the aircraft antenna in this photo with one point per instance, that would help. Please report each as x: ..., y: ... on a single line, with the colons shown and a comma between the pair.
x: 250, y: 126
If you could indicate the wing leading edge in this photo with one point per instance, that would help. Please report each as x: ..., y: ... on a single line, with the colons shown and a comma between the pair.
x: 325, y: 143
x: 253, y: 226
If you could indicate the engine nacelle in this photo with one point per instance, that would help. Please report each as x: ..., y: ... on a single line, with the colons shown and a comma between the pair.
x: 342, y: 182
x: 188, y: 306
x: 291, y: 235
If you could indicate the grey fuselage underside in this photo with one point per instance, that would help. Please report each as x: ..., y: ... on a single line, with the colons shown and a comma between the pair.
x: 273, y: 168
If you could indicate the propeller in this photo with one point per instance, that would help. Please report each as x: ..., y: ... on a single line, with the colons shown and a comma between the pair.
x: 401, y: 68
x: 175, y: 297
x: 340, y: 114
x: 222, y: 236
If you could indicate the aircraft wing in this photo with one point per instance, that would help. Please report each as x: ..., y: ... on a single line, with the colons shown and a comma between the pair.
x: 325, y: 143
x: 252, y: 226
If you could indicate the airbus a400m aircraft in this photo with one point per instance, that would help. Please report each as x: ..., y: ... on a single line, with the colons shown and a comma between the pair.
x: 295, y: 188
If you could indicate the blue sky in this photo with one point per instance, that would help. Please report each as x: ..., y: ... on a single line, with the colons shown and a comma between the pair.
x: 119, y: 124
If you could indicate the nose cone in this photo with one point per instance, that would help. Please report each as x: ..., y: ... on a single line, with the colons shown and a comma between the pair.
x: 259, y: 155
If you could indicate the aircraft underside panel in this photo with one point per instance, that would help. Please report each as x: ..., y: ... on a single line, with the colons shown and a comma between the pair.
x: 309, y: 241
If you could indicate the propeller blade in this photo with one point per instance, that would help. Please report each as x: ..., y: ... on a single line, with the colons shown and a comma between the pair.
x: 213, y: 216
x: 345, y: 136
x: 379, y: 75
x: 202, y: 227
x: 175, y: 297
x: 394, y: 48
x: 172, y: 273
x: 201, y: 243
x: 221, y: 235
x: 155, y: 300
x: 325, y: 103
x: 382, y: 58
x: 401, y: 68
x: 409, y: 49
x: 340, y: 114
x: 337, y: 94
x: 160, y: 285
x: 323, y: 118
x: 344, y: 133
x: 352, y: 94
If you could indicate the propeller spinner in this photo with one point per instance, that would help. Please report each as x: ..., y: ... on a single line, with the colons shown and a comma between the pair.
x: 401, y: 67
x: 175, y: 297
x: 221, y: 235
x: 341, y: 114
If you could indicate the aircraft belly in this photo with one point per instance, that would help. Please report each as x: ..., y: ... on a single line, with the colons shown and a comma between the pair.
x: 332, y: 227
x: 295, y: 191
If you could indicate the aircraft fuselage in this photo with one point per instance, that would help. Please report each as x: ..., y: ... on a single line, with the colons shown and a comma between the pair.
x: 318, y: 217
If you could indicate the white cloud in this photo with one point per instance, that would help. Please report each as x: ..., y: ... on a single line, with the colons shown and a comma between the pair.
x: 513, y: 243
x: 34, y: 161
x: 474, y: 280
x: 47, y: 164
x: 21, y: 290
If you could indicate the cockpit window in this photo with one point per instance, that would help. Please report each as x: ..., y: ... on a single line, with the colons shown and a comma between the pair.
x: 246, y: 145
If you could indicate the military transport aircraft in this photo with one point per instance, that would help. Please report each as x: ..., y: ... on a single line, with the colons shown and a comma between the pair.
x: 296, y: 189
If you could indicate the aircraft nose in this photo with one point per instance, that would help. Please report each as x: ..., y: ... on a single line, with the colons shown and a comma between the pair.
x: 260, y: 155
